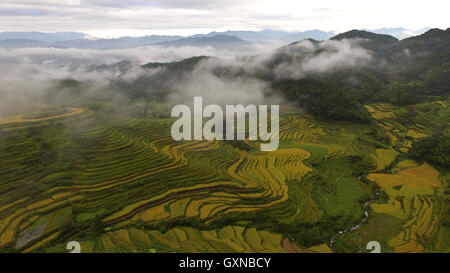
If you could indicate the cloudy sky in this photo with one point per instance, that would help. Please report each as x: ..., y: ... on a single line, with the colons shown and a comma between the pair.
x: 113, y: 18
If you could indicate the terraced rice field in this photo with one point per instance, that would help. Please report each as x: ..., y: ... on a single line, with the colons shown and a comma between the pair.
x: 411, y: 197
x: 20, y: 118
x: 121, y: 184
x: 405, y: 124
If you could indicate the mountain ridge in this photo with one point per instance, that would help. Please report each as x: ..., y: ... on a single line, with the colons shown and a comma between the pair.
x: 220, y: 40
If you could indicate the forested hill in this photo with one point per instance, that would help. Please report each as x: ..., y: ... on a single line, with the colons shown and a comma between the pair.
x: 369, y: 40
x: 400, y: 72
x: 382, y: 38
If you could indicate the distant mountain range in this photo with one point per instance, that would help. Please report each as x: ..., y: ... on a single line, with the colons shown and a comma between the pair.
x: 400, y: 33
x: 22, y: 43
x: 118, y: 43
x: 220, y: 40
x: 43, y: 37
x: 273, y: 35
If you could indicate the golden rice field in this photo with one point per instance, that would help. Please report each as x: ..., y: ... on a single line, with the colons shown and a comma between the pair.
x: 406, y: 124
x: 123, y: 185
x: 384, y: 158
x: 20, y: 118
x: 186, y: 239
x: 411, y: 198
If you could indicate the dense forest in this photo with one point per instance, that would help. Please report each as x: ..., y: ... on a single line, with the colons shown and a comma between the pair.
x: 434, y: 149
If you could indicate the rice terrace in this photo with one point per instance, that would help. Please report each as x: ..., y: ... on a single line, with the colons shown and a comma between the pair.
x: 360, y: 143
x: 125, y: 185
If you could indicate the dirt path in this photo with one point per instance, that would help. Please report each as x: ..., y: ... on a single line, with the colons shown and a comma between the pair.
x: 20, y: 119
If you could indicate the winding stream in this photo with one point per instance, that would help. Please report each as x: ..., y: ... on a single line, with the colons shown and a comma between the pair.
x: 357, y: 226
x: 352, y: 228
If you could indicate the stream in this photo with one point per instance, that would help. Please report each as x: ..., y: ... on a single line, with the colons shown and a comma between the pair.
x: 355, y: 227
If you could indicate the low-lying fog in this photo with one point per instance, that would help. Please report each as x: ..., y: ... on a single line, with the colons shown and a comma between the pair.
x: 27, y: 73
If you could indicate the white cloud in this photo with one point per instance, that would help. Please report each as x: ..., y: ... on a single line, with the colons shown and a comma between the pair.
x: 104, y: 18
x: 73, y: 2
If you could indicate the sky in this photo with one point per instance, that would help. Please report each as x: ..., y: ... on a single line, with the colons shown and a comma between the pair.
x: 107, y: 18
